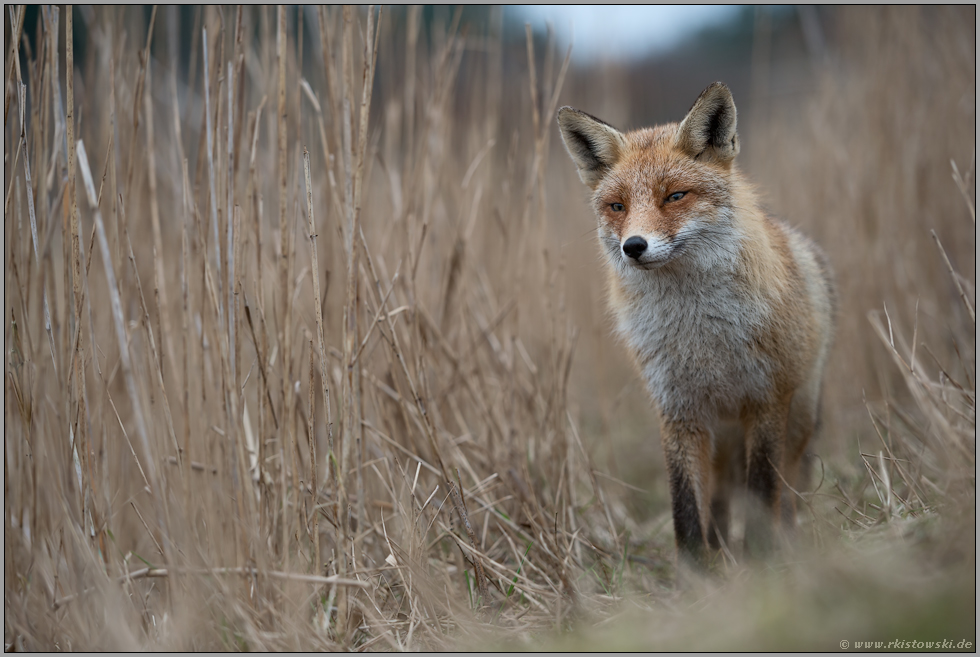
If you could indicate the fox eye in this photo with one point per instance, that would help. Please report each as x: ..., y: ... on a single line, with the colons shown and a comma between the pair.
x: 676, y: 196
x: 617, y: 207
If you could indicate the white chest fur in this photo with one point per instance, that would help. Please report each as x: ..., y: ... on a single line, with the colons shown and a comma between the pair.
x: 694, y: 333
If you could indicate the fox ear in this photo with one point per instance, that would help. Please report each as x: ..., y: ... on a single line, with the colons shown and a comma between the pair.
x: 595, y: 146
x: 709, y: 128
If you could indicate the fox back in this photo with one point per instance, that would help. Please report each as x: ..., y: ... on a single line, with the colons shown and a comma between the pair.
x: 727, y: 312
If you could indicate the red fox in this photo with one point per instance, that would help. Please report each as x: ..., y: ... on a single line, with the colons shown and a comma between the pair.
x: 727, y: 312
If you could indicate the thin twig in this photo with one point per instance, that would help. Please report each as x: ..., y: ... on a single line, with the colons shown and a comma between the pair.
x: 481, y: 576
x: 956, y: 279
x: 148, y: 573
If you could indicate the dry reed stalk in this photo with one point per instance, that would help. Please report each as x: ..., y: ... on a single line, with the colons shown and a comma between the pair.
x: 114, y: 131
x: 215, y: 239
x: 138, y: 101
x: 314, y: 485
x: 70, y: 199
x: 327, y: 157
x: 372, y: 34
x: 10, y: 191
x: 230, y: 233
x: 81, y: 437
x: 330, y: 74
x: 185, y: 314
x: 107, y: 556
x: 159, y: 289
x: 411, y: 50
x: 349, y: 390
x: 236, y: 431
x: 261, y: 347
x: 16, y: 27
x: 285, y: 325
x: 232, y: 284
x: 33, y: 221
x: 321, y: 347
x: 481, y: 578
x: 238, y: 58
x: 50, y: 88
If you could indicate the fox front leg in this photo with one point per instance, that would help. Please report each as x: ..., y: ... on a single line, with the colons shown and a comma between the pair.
x: 765, y: 434
x: 687, y: 451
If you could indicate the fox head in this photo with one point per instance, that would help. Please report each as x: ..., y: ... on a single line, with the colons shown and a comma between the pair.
x: 661, y: 194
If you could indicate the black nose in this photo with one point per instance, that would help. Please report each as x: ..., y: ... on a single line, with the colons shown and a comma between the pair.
x: 634, y: 246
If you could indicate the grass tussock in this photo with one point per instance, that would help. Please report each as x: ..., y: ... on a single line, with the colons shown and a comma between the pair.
x: 304, y: 346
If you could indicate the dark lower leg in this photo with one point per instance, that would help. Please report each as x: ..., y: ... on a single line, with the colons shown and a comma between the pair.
x: 763, y: 500
x: 766, y: 436
x: 688, y: 531
x: 686, y: 449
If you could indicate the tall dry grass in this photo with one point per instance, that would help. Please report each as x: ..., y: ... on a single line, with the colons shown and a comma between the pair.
x: 353, y: 388
x: 866, y: 165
